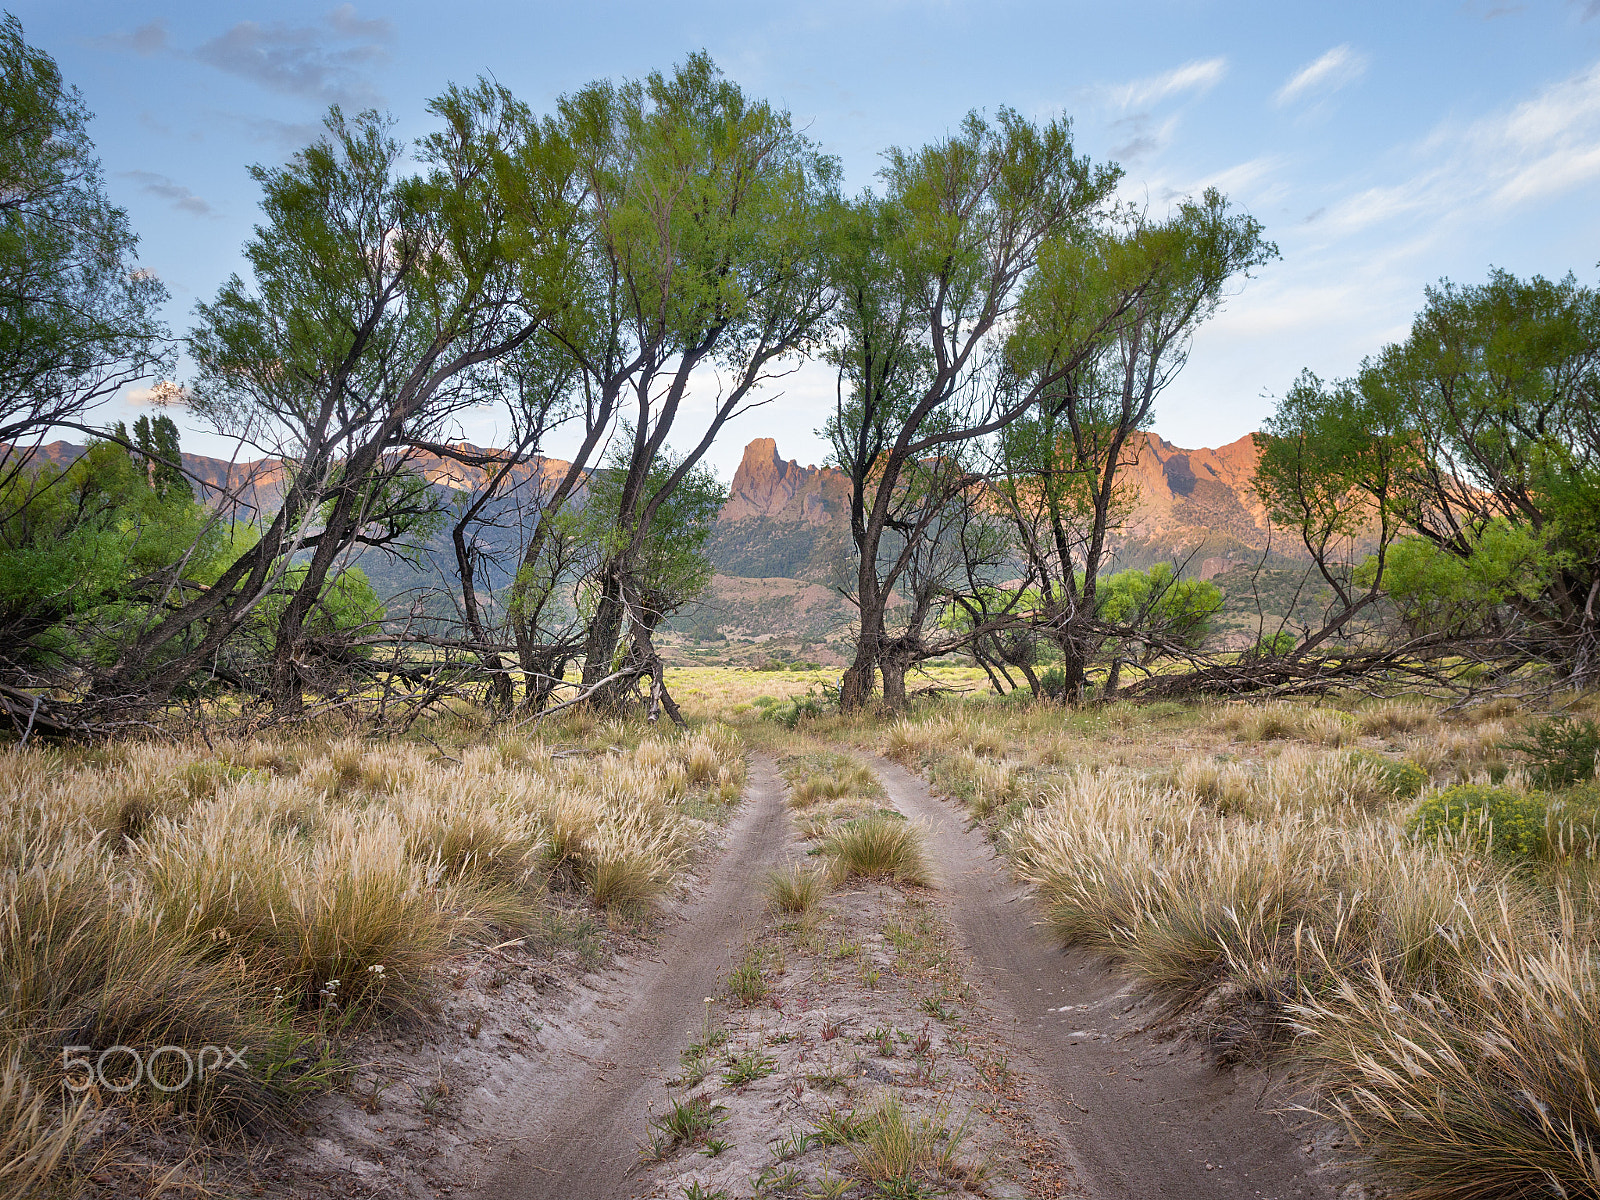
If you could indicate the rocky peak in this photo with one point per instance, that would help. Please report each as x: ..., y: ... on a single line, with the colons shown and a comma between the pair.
x: 768, y: 486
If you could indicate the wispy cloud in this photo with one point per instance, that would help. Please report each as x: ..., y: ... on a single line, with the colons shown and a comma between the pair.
x: 148, y: 39
x: 329, y: 62
x: 1199, y: 76
x: 1537, y: 149
x: 287, y: 136
x: 1335, y: 69
x: 1141, y: 136
x: 175, y: 194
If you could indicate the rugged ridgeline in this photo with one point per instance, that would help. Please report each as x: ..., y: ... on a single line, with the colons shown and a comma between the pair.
x: 781, y: 545
x: 1193, y: 506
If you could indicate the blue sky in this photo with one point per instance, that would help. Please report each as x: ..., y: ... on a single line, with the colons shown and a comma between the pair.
x: 1383, y: 145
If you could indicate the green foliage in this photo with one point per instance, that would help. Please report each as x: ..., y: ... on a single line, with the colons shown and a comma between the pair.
x: 85, y: 550
x: 1469, y: 453
x: 789, y: 713
x: 1437, y: 589
x: 1401, y: 778
x: 670, y: 566
x: 346, y: 608
x: 1053, y: 682
x: 1157, y: 603
x: 1273, y: 645
x: 77, y: 320
x: 1562, y: 751
x: 1505, y: 822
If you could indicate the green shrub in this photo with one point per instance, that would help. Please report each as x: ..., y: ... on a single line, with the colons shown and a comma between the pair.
x: 1401, y: 779
x: 790, y: 713
x: 1561, y: 751
x: 1506, y: 822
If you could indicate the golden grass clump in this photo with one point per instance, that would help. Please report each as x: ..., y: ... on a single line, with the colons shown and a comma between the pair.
x: 1226, y: 787
x: 796, y: 889
x: 912, y: 742
x: 1490, y: 1092
x: 880, y: 846
x: 1390, y: 718
x: 155, y: 895
x: 981, y: 784
x: 35, y: 1138
x: 840, y: 777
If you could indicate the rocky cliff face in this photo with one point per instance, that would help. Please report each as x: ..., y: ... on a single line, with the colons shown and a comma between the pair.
x: 768, y: 486
x: 1183, y: 501
x: 783, y: 519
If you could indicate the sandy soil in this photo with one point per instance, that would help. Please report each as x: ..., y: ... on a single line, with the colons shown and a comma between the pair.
x: 1146, y: 1114
x: 567, y: 1123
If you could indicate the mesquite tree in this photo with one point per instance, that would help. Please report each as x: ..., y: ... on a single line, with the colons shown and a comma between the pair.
x: 1457, y: 478
x: 374, y: 295
x: 700, y: 274
x: 77, y: 320
x: 1060, y: 467
x: 937, y: 347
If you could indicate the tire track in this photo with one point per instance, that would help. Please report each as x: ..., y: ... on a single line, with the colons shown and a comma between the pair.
x: 1144, y: 1119
x: 583, y: 1128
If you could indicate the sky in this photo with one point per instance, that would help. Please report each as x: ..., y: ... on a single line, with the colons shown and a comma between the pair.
x: 1383, y: 146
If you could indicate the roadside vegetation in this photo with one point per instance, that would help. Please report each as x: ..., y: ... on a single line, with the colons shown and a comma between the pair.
x: 282, y: 897
x: 1399, y: 900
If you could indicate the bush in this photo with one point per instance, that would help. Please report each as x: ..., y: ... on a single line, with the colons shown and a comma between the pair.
x: 1506, y: 822
x: 878, y: 846
x: 1561, y: 751
x: 789, y: 713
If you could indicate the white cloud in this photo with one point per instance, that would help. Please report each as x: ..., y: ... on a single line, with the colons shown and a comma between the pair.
x: 1198, y: 76
x: 1545, y: 145
x: 161, y: 394
x: 1332, y: 71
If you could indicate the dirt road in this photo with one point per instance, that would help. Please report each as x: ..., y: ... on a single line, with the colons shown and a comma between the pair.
x: 1145, y: 1119
x: 584, y: 1125
x: 1142, y: 1119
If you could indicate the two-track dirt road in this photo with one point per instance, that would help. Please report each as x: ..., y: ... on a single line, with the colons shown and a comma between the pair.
x: 583, y: 1126
x: 1141, y: 1120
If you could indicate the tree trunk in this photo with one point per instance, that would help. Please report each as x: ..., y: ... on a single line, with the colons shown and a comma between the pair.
x: 605, y: 629
x: 861, y: 679
x: 285, y: 686
x: 893, y: 667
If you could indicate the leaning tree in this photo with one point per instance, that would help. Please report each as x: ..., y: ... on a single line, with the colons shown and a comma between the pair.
x: 375, y: 292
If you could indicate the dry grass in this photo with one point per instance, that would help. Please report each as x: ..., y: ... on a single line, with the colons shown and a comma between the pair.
x: 830, y: 776
x: 1252, y: 865
x: 256, y: 893
x: 796, y: 889
x: 880, y: 846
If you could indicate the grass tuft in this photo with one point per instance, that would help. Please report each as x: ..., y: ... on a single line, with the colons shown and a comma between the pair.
x: 879, y: 847
x: 796, y: 889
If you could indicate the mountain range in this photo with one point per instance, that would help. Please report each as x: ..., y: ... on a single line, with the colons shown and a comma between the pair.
x: 780, y: 546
